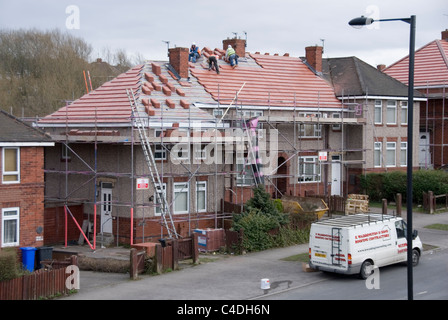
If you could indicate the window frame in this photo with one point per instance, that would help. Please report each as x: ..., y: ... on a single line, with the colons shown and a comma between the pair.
x: 378, y: 110
x: 302, y: 161
x: 378, y: 147
x: 157, y: 210
x: 185, y: 189
x: 403, y: 160
x: 404, y: 112
x: 391, y: 151
x: 200, y: 188
x: 391, y: 107
x: 11, y: 173
x: 317, y: 127
x: 9, y: 218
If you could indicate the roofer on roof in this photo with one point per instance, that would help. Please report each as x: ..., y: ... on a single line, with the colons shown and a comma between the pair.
x: 213, y: 63
x: 231, y: 56
x: 194, y: 53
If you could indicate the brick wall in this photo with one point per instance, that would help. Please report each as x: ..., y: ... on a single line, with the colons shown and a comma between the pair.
x: 179, y: 61
x: 28, y: 195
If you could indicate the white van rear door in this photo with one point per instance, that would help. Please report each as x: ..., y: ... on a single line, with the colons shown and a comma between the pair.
x: 401, y: 242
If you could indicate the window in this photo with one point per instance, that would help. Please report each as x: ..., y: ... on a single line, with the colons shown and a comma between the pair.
x: 10, y: 227
x: 401, y: 228
x: 11, y: 165
x: 404, y: 112
x: 199, y: 151
x: 309, y: 169
x: 247, y: 114
x: 391, y: 113
x: 245, y: 174
x: 377, y: 154
x: 378, y: 112
x: 336, y: 127
x: 310, y: 130
x: 161, y: 192
x: 201, y: 196
x: 218, y: 113
x: 181, y: 196
x: 404, y: 154
x: 159, y: 152
x: 180, y: 152
x: 65, y: 152
x: 390, y: 154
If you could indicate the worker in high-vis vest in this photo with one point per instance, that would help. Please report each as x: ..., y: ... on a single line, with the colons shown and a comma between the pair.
x: 231, y: 56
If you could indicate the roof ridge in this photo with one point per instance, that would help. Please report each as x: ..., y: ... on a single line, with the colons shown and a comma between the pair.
x: 442, y: 52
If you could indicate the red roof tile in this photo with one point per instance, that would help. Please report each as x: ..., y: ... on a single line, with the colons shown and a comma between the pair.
x: 276, y: 81
x: 431, y: 65
x: 107, y: 104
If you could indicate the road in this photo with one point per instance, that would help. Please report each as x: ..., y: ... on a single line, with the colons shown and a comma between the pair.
x: 238, y: 277
x: 430, y: 281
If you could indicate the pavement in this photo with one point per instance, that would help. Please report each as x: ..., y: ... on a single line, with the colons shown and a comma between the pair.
x: 227, y: 277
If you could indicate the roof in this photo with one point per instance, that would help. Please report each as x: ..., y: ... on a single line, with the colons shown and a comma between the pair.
x: 351, y: 76
x: 356, y: 220
x: 13, y: 132
x: 158, y: 95
x: 269, y: 80
x: 430, y: 66
x: 107, y: 104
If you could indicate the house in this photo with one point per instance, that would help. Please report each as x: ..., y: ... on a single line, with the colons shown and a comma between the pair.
x: 22, y: 183
x: 383, y: 102
x: 274, y: 119
x: 431, y: 79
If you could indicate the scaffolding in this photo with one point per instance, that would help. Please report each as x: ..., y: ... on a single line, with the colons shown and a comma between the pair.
x: 300, y: 116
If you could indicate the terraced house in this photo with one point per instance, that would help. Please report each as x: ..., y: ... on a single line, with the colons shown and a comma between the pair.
x: 22, y: 183
x: 164, y: 148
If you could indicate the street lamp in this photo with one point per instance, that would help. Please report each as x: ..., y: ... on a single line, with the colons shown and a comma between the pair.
x: 363, y: 21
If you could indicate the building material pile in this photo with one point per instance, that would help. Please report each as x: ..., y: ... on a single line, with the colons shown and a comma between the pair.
x: 356, y: 203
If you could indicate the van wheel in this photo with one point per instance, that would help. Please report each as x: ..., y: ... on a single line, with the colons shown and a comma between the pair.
x: 415, y: 257
x: 366, y: 269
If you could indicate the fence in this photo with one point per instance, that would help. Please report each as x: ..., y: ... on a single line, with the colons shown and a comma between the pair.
x: 433, y: 202
x: 166, y: 255
x: 40, y: 284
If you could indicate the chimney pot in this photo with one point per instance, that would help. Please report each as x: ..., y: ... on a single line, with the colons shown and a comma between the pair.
x: 381, y: 67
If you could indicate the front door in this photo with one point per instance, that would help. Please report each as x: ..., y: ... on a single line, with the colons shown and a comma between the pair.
x: 106, y: 208
x: 424, y: 155
x: 335, y: 176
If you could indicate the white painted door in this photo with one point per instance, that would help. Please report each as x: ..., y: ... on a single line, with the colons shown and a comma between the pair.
x: 424, y: 156
x: 106, y: 208
x: 335, y: 176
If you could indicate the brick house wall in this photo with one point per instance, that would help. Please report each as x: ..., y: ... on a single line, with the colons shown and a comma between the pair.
x: 28, y: 196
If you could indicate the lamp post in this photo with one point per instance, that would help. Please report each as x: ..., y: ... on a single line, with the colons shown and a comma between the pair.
x: 363, y: 21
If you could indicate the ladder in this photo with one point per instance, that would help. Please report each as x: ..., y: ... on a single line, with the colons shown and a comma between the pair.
x: 167, y: 219
x: 336, y: 246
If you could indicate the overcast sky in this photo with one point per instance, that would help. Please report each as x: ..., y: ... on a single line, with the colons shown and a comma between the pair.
x: 278, y: 26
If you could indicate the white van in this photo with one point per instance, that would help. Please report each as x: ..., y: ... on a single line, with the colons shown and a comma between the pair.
x: 353, y: 244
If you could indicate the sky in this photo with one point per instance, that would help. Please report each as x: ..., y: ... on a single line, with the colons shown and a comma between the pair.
x: 281, y: 26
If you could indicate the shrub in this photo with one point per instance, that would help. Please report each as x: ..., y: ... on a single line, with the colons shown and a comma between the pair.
x: 386, y: 185
x: 265, y: 224
x: 9, y: 267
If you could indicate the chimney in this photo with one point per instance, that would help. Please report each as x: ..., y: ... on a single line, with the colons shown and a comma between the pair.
x: 314, y: 57
x: 238, y: 44
x: 445, y: 35
x: 381, y: 67
x: 179, y: 60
